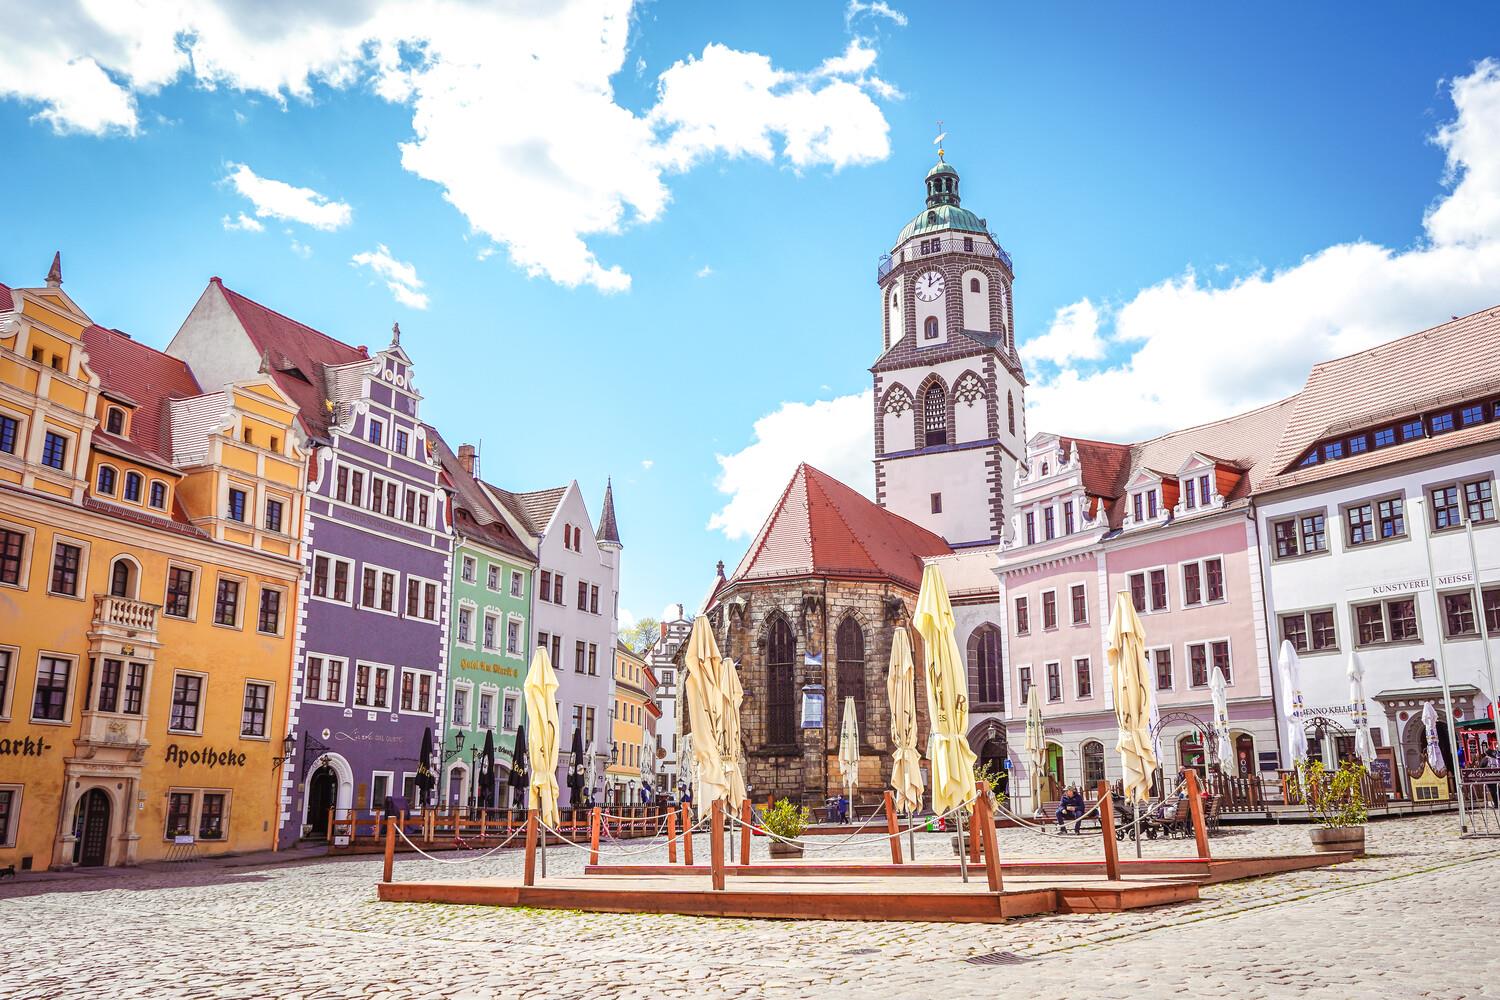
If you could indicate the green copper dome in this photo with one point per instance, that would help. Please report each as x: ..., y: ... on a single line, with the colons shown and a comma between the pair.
x: 942, y: 167
x: 942, y: 217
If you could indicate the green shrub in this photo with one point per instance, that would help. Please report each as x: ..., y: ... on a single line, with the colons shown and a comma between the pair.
x: 988, y: 772
x: 1336, y: 799
x: 786, y: 820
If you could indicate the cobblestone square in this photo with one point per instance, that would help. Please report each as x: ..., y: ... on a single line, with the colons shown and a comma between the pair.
x: 1413, y: 919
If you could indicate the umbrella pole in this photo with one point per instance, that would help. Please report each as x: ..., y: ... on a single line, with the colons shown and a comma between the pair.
x: 911, y: 832
x: 1136, y: 820
x: 963, y: 853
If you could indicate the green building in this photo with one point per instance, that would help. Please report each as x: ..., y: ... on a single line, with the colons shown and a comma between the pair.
x: 488, y: 619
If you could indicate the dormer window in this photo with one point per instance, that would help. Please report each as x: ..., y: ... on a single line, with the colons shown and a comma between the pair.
x: 158, y: 494
x: 133, y: 487
x: 114, y: 421
x: 107, y: 478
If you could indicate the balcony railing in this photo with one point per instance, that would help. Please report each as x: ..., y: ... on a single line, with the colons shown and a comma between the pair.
x: 976, y: 245
x: 125, y: 613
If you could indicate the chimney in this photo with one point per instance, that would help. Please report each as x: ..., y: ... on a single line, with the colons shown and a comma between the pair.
x: 680, y: 614
x: 466, y: 457
x: 663, y: 630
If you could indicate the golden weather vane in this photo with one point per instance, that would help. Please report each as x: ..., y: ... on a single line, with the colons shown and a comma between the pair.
x: 938, y: 142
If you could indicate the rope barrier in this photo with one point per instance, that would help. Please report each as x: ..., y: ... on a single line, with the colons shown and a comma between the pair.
x: 457, y: 861
x: 627, y: 854
x: 874, y: 838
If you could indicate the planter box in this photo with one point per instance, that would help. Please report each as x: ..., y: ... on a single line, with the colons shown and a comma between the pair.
x: 782, y: 850
x: 1347, y: 838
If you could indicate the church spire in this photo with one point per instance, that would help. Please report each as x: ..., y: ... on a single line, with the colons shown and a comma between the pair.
x: 54, y: 274
x: 609, y: 529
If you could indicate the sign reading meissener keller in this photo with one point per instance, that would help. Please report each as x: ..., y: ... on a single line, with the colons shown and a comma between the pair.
x: 209, y: 758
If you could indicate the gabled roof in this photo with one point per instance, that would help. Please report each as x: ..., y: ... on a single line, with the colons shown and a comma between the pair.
x: 1448, y: 363
x: 538, y: 506
x: 820, y: 527
x: 149, y: 379
x: 296, y: 356
x: 1102, y: 463
x: 905, y: 353
x: 474, y: 509
x: 609, y: 530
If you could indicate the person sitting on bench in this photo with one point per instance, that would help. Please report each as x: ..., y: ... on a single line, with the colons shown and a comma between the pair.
x: 1070, y: 806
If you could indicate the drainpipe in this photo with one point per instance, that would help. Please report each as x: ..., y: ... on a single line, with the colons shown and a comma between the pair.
x: 1484, y: 629
x: 1269, y: 619
x: 1463, y: 822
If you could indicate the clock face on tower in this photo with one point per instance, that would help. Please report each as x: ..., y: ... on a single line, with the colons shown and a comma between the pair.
x: 930, y: 286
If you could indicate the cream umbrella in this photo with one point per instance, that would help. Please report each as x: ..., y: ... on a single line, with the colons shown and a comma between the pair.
x: 1036, y: 746
x: 1128, y: 675
x: 734, y: 770
x: 702, y: 673
x: 900, y: 689
x: 849, y: 749
x: 540, y: 690
x: 1434, y: 746
x: 1218, y: 690
x: 1290, y: 669
x: 1364, y: 747
x: 947, y: 696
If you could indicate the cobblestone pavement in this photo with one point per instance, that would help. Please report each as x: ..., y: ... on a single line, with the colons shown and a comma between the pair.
x: 1397, y: 924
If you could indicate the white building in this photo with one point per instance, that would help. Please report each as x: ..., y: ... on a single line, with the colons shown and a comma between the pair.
x: 1387, y: 450
x: 659, y: 657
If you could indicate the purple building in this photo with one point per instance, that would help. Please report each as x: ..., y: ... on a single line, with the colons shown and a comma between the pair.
x: 369, y: 665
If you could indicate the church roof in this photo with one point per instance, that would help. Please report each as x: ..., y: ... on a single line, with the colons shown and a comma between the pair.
x: 943, y: 217
x: 609, y: 529
x: 820, y: 527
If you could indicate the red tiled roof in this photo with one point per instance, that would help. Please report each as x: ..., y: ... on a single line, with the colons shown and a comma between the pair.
x: 1102, y: 463
x: 821, y: 527
x: 148, y: 378
x: 480, y: 518
x: 293, y: 347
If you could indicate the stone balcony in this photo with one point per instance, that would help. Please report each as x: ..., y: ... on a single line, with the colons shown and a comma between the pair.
x: 125, y: 616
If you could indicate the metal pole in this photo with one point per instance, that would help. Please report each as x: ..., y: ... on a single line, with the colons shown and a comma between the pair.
x: 1484, y: 630
x: 1437, y: 607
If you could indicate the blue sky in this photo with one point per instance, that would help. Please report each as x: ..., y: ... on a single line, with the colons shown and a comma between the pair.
x: 1198, y: 207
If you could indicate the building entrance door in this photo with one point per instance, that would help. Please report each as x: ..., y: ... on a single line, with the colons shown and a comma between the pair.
x: 93, y: 838
x: 320, y: 799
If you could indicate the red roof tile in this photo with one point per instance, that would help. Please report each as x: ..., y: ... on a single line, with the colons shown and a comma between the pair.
x: 821, y: 527
x: 1103, y: 465
x: 145, y: 376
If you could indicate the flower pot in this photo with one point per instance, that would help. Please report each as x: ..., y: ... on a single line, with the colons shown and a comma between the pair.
x: 1340, y: 838
x: 783, y: 850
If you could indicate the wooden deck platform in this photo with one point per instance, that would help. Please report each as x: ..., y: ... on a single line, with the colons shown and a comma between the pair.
x: 841, y: 896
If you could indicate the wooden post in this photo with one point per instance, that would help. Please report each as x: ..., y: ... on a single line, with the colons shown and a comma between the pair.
x: 974, y: 831
x: 329, y: 838
x: 716, y: 842
x: 984, y: 814
x: 1107, y: 828
x: 892, y: 828
x: 484, y: 817
x: 594, y: 822
x: 746, y: 818
x: 390, y: 848
x: 530, y: 876
x: 671, y: 836
x: 1195, y: 806
x: 687, y: 834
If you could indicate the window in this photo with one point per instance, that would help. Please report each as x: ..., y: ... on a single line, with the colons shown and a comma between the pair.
x: 935, y: 416
x: 1138, y: 507
x: 1301, y: 535
x: 227, y: 603
x: 1190, y: 496
x: 1333, y: 450
x: 402, y: 441
x: 1445, y: 510
x: 1161, y: 659
x: 375, y: 431
x: 1138, y: 591
x: 1313, y: 533
x: 509, y: 711
x: 1054, y: 682
x: 1472, y: 414
x: 110, y: 675
x: 54, y: 450
x: 583, y: 596
x: 10, y: 813
x: 106, y: 481
x: 179, y: 814
x: 1024, y: 676
x: 1385, y: 436
x: 269, y: 619
x: 1491, y: 623
x: 12, y: 553
x: 850, y: 643
x: 1458, y: 615
x: 985, y: 667
x: 1023, y: 618
x: 133, y: 483
x: 187, y: 698
x: 323, y: 680
x: 8, y: 429
x: 513, y: 637
x: 491, y: 631
x: 379, y: 589
x: 372, y: 686
x: 179, y: 592
x: 593, y: 660
x: 1149, y: 585
x: 1197, y: 664
x: 211, y: 817
x: 492, y: 577
x: 1385, y: 621
x: 416, y: 691
x: 557, y: 589
x: 1411, y: 430
x: 486, y: 719
x: 1192, y: 584
x: 1360, y: 524
x: 1151, y: 504
x: 1049, y: 519
x: 781, y: 707
x: 6, y: 656
x: 421, y: 599
x: 158, y: 494
x: 1358, y: 443
x: 121, y: 578
x: 65, y: 563
x: 257, y: 706
x: 1479, y: 500
x: 1213, y: 575
x: 1031, y: 527
x: 50, y: 702
x: 466, y: 625
x: 460, y: 706
x: 1310, y: 631
x: 1083, y: 677
x: 1442, y: 422
x: 236, y: 508
x: 1219, y: 654
x: 517, y: 583
x: 274, y: 512
x: 470, y: 569
x: 1080, y: 599
x: 580, y: 650
x: 930, y: 328
x: 1049, y: 610
x: 331, y: 578
x: 1010, y: 404
x: 546, y: 587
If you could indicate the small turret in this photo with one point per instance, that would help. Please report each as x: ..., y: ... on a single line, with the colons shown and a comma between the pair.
x: 54, y: 274
x: 609, y: 529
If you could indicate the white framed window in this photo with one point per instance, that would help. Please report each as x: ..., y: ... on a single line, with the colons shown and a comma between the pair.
x: 229, y: 601
x: 417, y: 688
x: 421, y: 598
x: 52, y: 697
x: 188, y: 691
x: 323, y: 679
x: 372, y: 686
x: 15, y: 555
x: 1203, y: 581
x: 333, y: 579
x: 491, y: 631
x: 377, y: 589
x: 486, y: 717
x: 1078, y: 604
x: 181, y: 599
x: 515, y: 628
x: 1160, y: 659
x: 1148, y: 590
x: 10, y: 813
x: 470, y: 569
x: 459, y: 709
x: 1049, y: 610
x: 517, y: 583
x: 375, y: 431
x: 465, y: 625
x: 511, y: 710
x: 382, y: 785
x: 70, y: 566
x: 1203, y: 657
x: 492, y: 577
x: 255, y: 710
x: 9, y: 657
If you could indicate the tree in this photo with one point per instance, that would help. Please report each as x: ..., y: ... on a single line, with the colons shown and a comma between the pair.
x: 639, y: 636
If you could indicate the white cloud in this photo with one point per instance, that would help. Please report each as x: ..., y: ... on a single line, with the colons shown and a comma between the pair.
x: 835, y: 435
x: 399, y: 276
x: 647, y: 463
x: 1073, y: 335
x: 279, y: 200
x: 876, y: 8
x: 301, y: 249
x: 514, y: 114
x: 244, y: 223
x: 704, y: 271
x: 627, y: 620
x: 1189, y: 349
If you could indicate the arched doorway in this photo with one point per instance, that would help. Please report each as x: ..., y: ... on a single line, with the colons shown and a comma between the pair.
x: 1093, y: 766
x: 457, y: 776
x: 321, y: 795
x: 1055, y: 770
x: 992, y: 755
x: 1192, y: 754
x: 1329, y: 741
x: 1414, y: 743
x: 91, y: 827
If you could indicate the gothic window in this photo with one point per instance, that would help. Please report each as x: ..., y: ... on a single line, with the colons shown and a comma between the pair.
x: 781, y: 702
x: 935, y: 415
x: 1010, y: 405
x: 973, y: 284
x: 984, y: 667
x: 897, y: 401
x: 930, y: 328
x: 969, y: 389
x: 851, y: 675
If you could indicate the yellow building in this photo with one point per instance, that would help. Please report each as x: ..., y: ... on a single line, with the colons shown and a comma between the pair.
x: 149, y: 562
x: 632, y: 759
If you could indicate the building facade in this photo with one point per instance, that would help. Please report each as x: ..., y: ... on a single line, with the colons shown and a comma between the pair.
x: 661, y: 658
x: 1381, y: 539
x: 148, y: 590
x: 369, y: 675
x: 629, y: 778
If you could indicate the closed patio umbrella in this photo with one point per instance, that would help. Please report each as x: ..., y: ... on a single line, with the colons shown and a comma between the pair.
x: 1036, y: 747
x: 1290, y: 669
x: 519, y: 776
x: 702, y: 667
x: 1434, y: 745
x: 541, y: 708
x: 577, y: 771
x: 1218, y: 689
x: 734, y: 769
x: 947, y: 696
x: 900, y: 689
x: 425, y: 781
x: 849, y: 749
x: 1126, y: 654
x: 486, y: 796
x: 1364, y: 747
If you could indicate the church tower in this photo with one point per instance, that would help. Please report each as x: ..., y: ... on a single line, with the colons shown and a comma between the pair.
x: 949, y: 390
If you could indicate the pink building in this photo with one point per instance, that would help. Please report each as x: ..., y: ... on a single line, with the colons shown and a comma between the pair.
x: 1167, y: 521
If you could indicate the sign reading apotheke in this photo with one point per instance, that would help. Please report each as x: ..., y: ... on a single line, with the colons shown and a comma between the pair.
x: 1419, y: 583
x: 208, y: 757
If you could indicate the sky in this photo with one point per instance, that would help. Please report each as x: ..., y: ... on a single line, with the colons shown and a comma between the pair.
x: 639, y: 241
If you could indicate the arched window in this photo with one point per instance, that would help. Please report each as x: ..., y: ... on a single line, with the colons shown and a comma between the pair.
x: 973, y: 284
x: 781, y: 701
x: 1010, y: 405
x: 1093, y: 764
x: 158, y: 494
x: 122, y: 578
x: 133, y: 487
x: 114, y: 422
x: 985, y: 670
x: 851, y: 674
x: 930, y: 328
x: 935, y: 416
x: 107, y: 480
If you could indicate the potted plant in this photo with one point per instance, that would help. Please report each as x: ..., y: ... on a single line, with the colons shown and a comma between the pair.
x: 786, y: 821
x: 1336, y: 800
